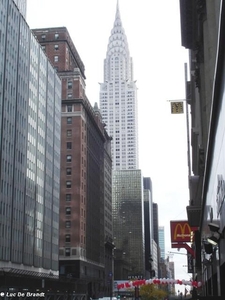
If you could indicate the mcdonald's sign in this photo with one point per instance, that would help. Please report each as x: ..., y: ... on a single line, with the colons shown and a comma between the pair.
x: 181, y: 232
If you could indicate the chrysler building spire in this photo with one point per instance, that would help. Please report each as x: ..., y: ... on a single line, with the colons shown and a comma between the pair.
x: 117, y: 9
x: 118, y: 99
x: 118, y: 47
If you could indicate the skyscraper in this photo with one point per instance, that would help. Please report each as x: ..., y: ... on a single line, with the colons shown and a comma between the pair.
x: 155, y: 242
x: 148, y: 221
x: 155, y: 223
x: 118, y: 104
x: 162, y: 241
x: 118, y: 99
x: 128, y: 221
x: 30, y: 109
x: 85, y: 247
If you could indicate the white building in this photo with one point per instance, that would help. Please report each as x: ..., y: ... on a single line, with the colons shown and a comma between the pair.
x: 118, y: 99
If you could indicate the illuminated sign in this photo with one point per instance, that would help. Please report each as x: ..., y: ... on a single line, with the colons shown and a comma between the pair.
x: 181, y: 232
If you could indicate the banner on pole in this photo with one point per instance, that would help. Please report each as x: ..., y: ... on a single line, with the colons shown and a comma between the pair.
x: 177, y: 107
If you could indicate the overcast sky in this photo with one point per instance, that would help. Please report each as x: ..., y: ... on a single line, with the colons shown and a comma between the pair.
x: 153, y: 33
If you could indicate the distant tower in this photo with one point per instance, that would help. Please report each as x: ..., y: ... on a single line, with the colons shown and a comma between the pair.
x: 162, y: 241
x: 118, y: 99
x: 155, y: 223
x: 148, y: 221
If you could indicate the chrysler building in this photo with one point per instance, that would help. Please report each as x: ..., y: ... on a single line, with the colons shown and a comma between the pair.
x: 118, y: 99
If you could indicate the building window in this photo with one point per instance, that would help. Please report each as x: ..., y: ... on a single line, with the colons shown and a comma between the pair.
x: 68, y: 210
x: 68, y: 197
x: 69, y: 108
x: 68, y: 184
x: 69, y: 133
x: 69, y: 145
x: 56, y: 58
x: 68, y: 171
x: 56, y: 36
x: 43, y: 48
x: 69, y: 84
x: 67, y: 251
x: 69, y: 95
x: 67, y: 238
x: 43, y: 36
x: 56, y: 47
x: 68, y: 224
x: 68, y: 158
x: 69, y: 120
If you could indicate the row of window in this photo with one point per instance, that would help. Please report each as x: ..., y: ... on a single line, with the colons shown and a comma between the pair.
x: 69, y: 197
x: 69, y: 251
x: 56, y: 47
x: 69, y: 223
x: 56, y: 59
x: 69, y: 159
x: 69, y: 120
x: 69, y: 186
x: 44, y: 36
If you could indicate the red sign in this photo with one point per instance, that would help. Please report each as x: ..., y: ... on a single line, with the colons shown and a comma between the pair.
x: 181, y: 232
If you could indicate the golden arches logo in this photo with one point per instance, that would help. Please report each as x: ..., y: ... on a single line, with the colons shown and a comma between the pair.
x: 183, y: 233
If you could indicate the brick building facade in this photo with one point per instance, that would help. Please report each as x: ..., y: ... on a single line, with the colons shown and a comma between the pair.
x: 85, y: 253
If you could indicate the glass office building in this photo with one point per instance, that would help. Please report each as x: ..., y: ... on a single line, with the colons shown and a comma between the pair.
x: 22, y: 5
x: 30, y: 111
x: 128, y: 220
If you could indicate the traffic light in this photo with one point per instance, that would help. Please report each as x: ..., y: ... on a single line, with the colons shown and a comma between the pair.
x: 118, y: 296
